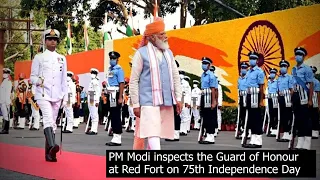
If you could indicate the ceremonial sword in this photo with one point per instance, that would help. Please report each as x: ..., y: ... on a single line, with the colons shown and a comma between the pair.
x: 60, y: 114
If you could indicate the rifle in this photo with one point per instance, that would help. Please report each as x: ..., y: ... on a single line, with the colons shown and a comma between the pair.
x: 238, y: 124
x: 293, y: 134
x: 278, y: 127
x: 201, y: 132
x: 246, y: 130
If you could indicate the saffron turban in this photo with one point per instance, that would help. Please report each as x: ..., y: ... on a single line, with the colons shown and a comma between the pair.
x: 157, y: 26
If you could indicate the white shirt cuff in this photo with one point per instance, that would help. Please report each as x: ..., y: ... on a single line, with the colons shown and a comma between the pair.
x: 136, y: 105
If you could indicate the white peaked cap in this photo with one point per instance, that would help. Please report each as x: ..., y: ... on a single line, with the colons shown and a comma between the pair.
x: 94, y: 69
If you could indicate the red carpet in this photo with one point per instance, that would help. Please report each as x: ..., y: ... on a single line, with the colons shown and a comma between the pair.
x: 70, y: 165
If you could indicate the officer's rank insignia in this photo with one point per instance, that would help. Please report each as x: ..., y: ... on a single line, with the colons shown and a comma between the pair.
x: 52, y: 33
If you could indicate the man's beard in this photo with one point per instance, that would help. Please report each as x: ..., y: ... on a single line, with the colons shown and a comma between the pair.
x: 163, y: 45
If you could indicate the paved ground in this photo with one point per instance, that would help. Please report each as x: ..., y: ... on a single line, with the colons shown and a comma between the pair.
x: 79, y: 142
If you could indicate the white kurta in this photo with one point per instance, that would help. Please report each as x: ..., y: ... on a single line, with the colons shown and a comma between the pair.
x: 155, y: 121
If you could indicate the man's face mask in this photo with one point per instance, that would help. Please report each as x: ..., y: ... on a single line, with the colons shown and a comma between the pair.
x: 181, y: 76
x: 69, y: 79
x: 243, y: 72
x: 299, y: 58
x: 113, y: 62
x: 93, y: 76
x: 195, y: 85
x: 204, y: 67
x: 283, y: 70
x: 5, y: 75
x: 272, y: 75
x: 253, y: 62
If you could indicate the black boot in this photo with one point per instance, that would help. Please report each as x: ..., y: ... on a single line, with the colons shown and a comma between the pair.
x: 5, y: 129
x: 51, y: 147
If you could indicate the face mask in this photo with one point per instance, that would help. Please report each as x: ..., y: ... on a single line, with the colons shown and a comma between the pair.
x: 243, y: 71
x: 113, y: 62
x: 5, y: 76
x: 253, y: 62
x: 299, y: 58
x: 195, y: 86
x: 204, y: 67
x: 283, y: 70
x: 181, y: 76
x: 68, y: 78
x: 272, y: 76
x: 93, y: 76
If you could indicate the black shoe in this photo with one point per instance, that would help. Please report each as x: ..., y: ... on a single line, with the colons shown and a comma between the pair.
x: 5, y: 129
x: 315, y: 137
x: 171, y: 140
x: 251, y: 146
x: 112, y: 144
x: 51, y: 147
x: 283, y: 140
x: 74, y: 127
x: 111, y: 134
x: 91, y: 133
x: 34, y: 129
x: 183, y: 134
x: 271, y: 135
x: 130, y: 131
x: 66, y: 131
x: 205, y: 142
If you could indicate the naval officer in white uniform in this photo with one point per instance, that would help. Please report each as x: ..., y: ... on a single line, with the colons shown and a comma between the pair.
x: 5, y: 100
x: 49, y: 75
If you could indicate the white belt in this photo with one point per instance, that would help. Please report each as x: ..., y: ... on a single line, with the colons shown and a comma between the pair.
x: 112, y: 89
x: 272, y: 95
x: 242, y: 93
x: 253, y: 90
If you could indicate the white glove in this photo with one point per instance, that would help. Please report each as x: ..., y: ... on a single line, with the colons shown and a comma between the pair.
x: 40, y: 81
x: 64, y: 104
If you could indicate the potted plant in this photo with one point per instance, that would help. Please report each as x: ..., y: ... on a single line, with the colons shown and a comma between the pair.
x: 233, y: 118
x: 223, y: 126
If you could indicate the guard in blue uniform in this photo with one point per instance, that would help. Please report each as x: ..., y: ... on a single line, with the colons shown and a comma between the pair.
x: 272, y: 97
x: 242, y: 88
x: 115, y: 90
x: 177, y: 118
x: 302, y: 99
x: 285, y: 85
x: 316, y: 104
x: 254, y: 83
x: 208, y: 101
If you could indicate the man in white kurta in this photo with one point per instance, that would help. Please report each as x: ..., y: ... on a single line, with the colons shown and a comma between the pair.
x: 155, y: 86
x: 49, y: 75
x: 5, y: 100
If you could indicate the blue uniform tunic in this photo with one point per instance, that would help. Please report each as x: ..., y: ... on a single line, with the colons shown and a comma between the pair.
x: 208, y: 80
x: 115, y: 76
